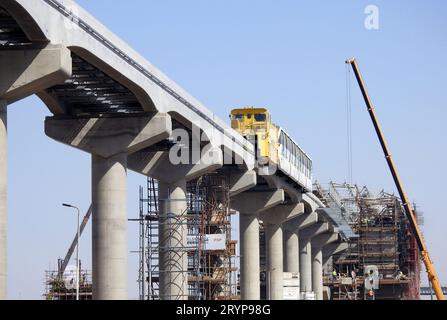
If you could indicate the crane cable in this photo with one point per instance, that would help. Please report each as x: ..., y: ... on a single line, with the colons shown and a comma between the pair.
x: 349, y: 123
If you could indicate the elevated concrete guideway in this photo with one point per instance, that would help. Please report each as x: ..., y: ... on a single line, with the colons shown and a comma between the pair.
x: 63, y: 22
x: 111, y: 102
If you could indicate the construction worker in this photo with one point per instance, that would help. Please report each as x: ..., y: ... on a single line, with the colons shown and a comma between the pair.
x: 334, y: 274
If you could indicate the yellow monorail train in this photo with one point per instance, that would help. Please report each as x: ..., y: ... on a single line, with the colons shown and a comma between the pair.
x: 273, y: 145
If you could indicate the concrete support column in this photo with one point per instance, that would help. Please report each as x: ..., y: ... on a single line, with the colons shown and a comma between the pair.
x: 173, y: 241
x: 305, y: 262
x: 317, y: 273
x: 3, y: 198
x: 291, y: 251
x: 250, y: 205
x: 275, y: 273
x: 250, y: 266
x: 109, y: 227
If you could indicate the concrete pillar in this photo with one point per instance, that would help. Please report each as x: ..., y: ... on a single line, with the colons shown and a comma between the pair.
x: 109, y: 227
x: 317, y: 273
x: 250, y: 266
x: 305, y: 262
x: 275, y: 273
x: 3, y: 198
x: 291, y: 251
x: 250, y: 205
x: 173, y: 241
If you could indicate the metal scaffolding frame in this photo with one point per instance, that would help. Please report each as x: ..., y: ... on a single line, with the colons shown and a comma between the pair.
x: 211, y: 272
x: 382, y: 238
x: 63, y: 286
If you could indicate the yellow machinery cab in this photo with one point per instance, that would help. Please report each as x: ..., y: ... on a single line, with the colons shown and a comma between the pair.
x: 254, y: 124
x: 250, y: 121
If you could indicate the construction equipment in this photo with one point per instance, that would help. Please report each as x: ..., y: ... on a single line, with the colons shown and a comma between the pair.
x: 70, y: 251
x: 433, y: 278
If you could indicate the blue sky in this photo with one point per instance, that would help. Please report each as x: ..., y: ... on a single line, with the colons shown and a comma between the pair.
x: 285, y: 55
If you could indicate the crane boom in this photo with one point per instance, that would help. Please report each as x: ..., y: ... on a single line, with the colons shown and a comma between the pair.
x: 74, y: 242
x: 432, y: 276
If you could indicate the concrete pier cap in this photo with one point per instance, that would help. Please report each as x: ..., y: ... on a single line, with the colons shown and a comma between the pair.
x: 106, y: 136
x: 31, y: 70
x: 332, y: 249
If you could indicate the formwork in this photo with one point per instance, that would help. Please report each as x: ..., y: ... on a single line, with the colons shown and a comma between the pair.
x: 211, y: 272
x: 382, y: 239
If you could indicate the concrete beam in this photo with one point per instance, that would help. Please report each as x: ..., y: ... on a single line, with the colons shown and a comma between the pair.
x: 159, y: 166
x: 242, y: 181
x: 107, y: 136
x: 312, y: 201
x: 257, y: 202
x: 276, y: 182
x: 314, y: 230
x: 3, y: 198
x: 30, y: 71
x: 282, y: 213
x: 332, y: 249
x: 301, y: 221
x: 324, y: 239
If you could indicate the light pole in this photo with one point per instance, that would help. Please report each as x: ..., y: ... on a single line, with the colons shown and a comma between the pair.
x: 77, y: 249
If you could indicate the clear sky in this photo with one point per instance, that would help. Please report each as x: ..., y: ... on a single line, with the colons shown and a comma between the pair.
x: 285, y: 55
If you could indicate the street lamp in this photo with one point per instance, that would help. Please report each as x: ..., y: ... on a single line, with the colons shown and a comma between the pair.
x: 77, y: 250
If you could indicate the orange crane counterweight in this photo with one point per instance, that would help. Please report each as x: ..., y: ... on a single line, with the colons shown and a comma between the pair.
x: 433, y: 278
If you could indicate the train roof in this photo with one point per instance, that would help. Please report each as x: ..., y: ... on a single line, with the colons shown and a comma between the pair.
x: 249, y: 109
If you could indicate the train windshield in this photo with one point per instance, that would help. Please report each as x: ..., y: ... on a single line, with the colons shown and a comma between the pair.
x: 260, y: 117
x: 238, y: 116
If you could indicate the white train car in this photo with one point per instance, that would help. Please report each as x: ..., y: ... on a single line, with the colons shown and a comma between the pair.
x: 293, y: 161
x: 275, y: 150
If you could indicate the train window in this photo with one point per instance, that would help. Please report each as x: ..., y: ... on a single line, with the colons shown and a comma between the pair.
x: 281, y: 142
x: 238, y: 116
x: 301, y: 161
x: 294, y: 155
x: 284, y: 146
x: 260, y: 117
x: 289, y: 148
x: 248, y: 115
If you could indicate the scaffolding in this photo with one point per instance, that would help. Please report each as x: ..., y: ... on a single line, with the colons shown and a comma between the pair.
x: 211, y: 272
x: 63, y: 286
x: 382, y: 239
x: 149, y: 272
